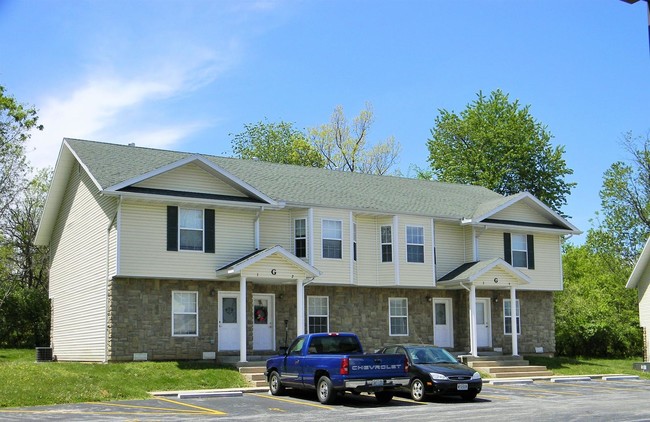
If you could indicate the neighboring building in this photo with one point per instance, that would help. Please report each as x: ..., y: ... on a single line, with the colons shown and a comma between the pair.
x: 640, y: 279
x: 152, y: 252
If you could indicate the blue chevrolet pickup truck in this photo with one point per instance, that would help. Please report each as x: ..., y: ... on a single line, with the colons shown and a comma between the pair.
x: 332, y: 363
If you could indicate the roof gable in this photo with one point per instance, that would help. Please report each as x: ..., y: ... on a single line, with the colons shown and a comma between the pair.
x: 522, y: 209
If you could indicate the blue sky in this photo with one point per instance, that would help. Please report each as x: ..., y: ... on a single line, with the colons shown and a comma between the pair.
x: 186, y: 74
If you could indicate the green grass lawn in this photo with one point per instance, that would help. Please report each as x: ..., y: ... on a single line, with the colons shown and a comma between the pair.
x: 588, y: 366
x: 25, y: 382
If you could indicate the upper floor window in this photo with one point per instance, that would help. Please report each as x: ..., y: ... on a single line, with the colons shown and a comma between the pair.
x: 300, y: 238
x: 317, y: 314
x: 190, y: 226
x: 508, y: 317
x: 332, y: 239
x: 519, y: 250
x: 185, y: 313
x: 398, y: 311
x: 386, y: 244
x: 190, y: 229
x: 414, y: 244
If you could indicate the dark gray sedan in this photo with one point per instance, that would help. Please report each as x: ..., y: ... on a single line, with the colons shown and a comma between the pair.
x: 434, y: 371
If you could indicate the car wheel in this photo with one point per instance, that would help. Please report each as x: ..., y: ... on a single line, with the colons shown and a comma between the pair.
x: 383, y: 396
x: 417, y: 390
x: 325, y: 390
x: 469, y: 396
x: 275, y: 385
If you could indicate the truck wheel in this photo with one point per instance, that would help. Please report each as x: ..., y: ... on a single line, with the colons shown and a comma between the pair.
x: 383, y: 396
x: 417, y: 390
x: 325, y: 391
x: 275, y: 385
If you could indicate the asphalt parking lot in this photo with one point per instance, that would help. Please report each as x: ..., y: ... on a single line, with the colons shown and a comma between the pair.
x: 595, y: 400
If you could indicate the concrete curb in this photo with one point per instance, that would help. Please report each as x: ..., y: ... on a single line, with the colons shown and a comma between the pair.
x: 223, y: 392
x: 559, y: 378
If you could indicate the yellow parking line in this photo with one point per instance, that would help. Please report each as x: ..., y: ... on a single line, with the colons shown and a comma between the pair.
x: 488, y: 396
x: 167, y: 409
x: 81, y: 412
x: 320, y: 406
x: 206, y: 409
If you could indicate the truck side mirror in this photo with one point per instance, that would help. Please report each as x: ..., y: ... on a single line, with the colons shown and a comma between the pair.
x: 283, y: 350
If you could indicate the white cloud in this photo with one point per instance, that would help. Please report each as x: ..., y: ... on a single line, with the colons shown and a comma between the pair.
x: 103, y: 104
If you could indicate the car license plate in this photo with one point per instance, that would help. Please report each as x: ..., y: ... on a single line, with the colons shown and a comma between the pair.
x: 377, y: 383
x: 461, y: 387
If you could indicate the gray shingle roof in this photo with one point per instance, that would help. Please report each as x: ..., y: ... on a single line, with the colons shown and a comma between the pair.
x: 111, y: 164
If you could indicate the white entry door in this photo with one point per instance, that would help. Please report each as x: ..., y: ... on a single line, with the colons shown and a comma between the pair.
x: 483, y: 323
x: 228, y: 321
x: 263, y: 322
x: 443, y: 333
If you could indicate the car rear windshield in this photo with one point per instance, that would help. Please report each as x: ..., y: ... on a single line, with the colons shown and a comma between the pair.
x: 334, y: 345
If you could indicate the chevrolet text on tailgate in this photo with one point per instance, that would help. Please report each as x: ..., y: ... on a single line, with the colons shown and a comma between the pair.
x: 332, y: 363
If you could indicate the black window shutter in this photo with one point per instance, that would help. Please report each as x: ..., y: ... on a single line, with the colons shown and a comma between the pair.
x: 172, y: 228
x: 507, y: 248
x: 209, y: 231
x: 531, y: 252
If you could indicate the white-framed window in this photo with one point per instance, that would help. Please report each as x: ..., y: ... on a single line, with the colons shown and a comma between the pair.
x: 519, y: 250
x: 398, y: 311
x: 318, y: 320
x: 415, y: 244
x: 185, y: 313
x: 354, y: 241
x: 190, y: 229
x: 332, y: 239
x: 300, y: 237
x: 386, y: 235
x: 507, y: 317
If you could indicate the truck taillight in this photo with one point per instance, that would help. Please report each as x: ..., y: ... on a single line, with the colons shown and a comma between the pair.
x: 406, y: 364
x: 345, y: 366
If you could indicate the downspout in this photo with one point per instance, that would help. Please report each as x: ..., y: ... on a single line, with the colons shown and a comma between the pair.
x: 108, y: 272
x: 257, y: 228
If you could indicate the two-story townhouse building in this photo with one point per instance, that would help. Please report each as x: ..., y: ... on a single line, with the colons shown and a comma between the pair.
x: 161, y: 254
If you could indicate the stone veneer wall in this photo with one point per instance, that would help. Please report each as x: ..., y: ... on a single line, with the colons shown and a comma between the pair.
x: 140, y: 317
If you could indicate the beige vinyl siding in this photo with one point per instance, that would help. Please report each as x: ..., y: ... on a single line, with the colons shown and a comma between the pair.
x: 520, y: 212
x: 276, y: 228
x: 190, y: 178
x: 450, y: 248
x: 333, y: 270
x: 547, y: 274
x: 644, y: 298
x: 415, y: 274
x: 468, y: 236
x: 143, y: 249
x: 283, y: 269
x: 369, y: 270
x: 78, y: 270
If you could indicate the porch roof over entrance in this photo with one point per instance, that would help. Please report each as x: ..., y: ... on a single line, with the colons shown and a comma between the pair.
x: 270, y: 264
x: 494, y: 273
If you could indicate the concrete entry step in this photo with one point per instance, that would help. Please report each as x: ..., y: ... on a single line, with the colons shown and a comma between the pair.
x: 254, y: 373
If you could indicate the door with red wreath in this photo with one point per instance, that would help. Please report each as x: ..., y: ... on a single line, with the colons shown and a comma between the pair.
x: 263, y: 322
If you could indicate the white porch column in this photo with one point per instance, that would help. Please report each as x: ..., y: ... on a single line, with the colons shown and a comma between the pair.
x: 513, y: 315
x: 300, y: 307
x: 242, y: 319
x: 472, y: 321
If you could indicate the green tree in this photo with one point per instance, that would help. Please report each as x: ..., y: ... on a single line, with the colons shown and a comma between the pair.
x: 16, y: 122
x: 625, y: 201
x: 24, y: 306
x: 345, y: 145
x: 595, y: 315
x: 498, y: 144
x: 277, y: 143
